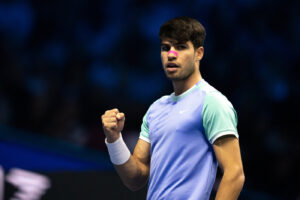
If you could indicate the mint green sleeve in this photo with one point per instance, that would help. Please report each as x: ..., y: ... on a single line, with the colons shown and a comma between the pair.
x: 219, y: 117
x: 144, y: 134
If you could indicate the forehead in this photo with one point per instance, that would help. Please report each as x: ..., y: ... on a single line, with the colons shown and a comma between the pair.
x: 173, y: 41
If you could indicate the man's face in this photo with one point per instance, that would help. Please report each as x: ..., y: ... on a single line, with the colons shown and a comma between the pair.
x: 178, y: 59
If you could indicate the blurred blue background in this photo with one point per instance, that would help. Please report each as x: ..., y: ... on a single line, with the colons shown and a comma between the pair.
x: 63, y: 63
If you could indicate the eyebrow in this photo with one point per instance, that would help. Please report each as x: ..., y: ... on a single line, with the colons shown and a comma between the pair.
x: 173, y: 43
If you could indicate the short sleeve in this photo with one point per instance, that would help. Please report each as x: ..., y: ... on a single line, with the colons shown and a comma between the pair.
x: 144, y: 134
x: 219, y: 117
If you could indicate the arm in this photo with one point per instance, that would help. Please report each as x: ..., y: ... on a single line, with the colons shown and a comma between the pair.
x: 228, y: 154
x: 135, y: 171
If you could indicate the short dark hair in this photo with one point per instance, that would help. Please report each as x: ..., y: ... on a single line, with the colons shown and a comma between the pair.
x: 183, y: 29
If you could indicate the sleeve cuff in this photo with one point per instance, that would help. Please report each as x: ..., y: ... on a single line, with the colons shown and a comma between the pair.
x: 220, y: 134
x: 144, y: 138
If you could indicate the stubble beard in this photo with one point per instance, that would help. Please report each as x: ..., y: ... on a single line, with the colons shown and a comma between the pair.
x: 184, y: 75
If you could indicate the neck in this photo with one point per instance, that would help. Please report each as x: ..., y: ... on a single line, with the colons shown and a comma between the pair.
x: 180, y: 86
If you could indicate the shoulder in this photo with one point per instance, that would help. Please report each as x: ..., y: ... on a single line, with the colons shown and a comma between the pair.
x: 219, y: 116
x: 157, y: 105
x: 213, y: 97
x: 215, y: 100
x: 162, y: 101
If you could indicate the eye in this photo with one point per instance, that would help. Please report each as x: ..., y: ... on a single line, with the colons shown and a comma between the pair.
x: 165, y: 47
x: 181, y: 47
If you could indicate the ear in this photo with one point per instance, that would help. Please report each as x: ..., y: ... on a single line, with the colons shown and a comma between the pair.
x: 199, y: 53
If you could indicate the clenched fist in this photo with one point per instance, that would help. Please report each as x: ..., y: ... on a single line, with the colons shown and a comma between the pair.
x: 113, y: 123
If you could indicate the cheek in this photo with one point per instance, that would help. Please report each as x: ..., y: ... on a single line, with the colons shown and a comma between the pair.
x: 189, y: 62
x: 163, y: 57
x: 191, y: 59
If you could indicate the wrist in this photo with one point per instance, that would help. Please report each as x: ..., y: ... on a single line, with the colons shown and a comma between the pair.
x: 112, y: 138
x: 118, y: 151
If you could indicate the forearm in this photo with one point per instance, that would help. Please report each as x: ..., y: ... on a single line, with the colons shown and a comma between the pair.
x: 133, y: 174
x: 230, y: 186
x: 132, y: 169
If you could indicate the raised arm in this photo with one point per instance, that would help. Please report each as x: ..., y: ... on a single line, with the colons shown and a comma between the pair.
x: 135, y: 172
x: 133, y: 169
x: 228, y: 154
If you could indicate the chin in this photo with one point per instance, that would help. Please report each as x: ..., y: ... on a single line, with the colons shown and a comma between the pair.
x: 177, y: 78
x: 174, y: 78
x: 171, y: 76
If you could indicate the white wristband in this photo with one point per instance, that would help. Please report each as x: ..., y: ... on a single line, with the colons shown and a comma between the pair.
x: 118, y: 151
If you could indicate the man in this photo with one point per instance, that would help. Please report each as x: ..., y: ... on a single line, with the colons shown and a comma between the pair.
x: 185, y: 135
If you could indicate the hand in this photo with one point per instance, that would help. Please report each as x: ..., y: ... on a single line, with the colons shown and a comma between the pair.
x: 113, y: 123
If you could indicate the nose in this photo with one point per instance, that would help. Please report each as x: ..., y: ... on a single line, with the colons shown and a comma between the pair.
x: 172, y: 54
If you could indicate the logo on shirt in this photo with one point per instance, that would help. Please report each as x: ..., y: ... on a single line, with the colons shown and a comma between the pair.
x: 183, y: 111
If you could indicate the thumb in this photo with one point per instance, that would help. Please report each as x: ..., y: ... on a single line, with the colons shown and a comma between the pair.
x: 120, y: 116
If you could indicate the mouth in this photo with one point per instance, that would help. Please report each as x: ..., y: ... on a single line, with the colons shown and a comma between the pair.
x: 171, y: 67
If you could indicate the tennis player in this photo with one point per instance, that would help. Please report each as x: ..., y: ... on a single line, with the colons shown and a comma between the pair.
x: 184, y: 136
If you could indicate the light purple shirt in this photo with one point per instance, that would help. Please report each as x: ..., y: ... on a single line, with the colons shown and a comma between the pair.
x: 181, y: 131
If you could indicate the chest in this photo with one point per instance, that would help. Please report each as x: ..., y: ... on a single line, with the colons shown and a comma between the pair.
x: 176, y: 120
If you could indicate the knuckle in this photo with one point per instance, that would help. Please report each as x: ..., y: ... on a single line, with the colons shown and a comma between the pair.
x: 115, y: 110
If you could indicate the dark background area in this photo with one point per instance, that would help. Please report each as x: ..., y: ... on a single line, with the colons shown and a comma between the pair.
x: 63, y: 63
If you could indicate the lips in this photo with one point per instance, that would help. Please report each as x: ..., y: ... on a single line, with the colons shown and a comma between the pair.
x: 171, y: 67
